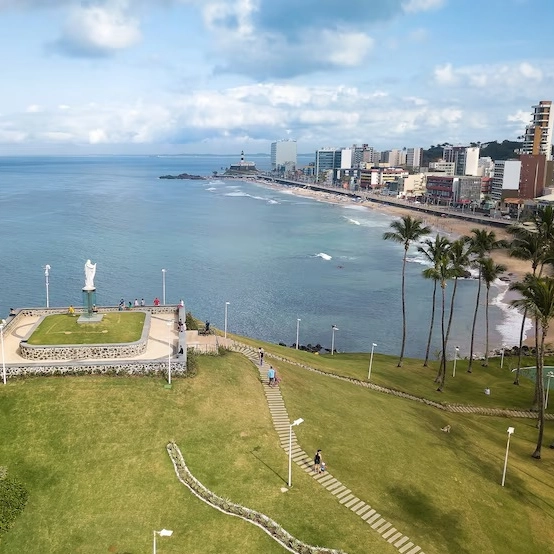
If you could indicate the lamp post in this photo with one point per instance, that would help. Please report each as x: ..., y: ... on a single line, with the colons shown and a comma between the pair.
x: 226, y: 307
x: 456, y: 352
x: 295, y: 422
x: 298, y: 320
x: 510, y: 433
x: 549, y: 376
x: 162, y: 533
x: 169, y: 324
x: 333, y: 328
x: 46, y: 275
x: 502, y: 357
x: 163, y: 285
x: 2, y: 324
x: 373, y: 345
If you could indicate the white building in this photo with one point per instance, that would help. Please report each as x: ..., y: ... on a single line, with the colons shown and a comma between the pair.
x: 346, y: 158
x: 448, y: 168
x: 413, y: 157
x: 283, y: 154
x: 472, y: 161
x: 505, y: 182
x: 485, y: 167
x: 538, y: 134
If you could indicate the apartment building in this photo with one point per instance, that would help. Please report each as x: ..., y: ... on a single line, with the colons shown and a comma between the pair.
x: 505, y: 181
x: 284, y: 155
x: 538, y: 134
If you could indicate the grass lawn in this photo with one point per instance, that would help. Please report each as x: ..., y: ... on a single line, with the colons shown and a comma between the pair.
x: 91, y: 451
x: 115, y: 327
x: 443, y: 490
x: 465, y: 388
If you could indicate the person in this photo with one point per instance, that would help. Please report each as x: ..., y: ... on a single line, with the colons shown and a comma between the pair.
x: 136, y: 303
x: 121, y: 305
x: 71, y: 310
x: 130, y: 305
x: 181, y: 303
x: 180, y: 326
x: 142, y: 302
x: 180, y: 350
x: 156, y: 301
x: 317, y: 461
x: 322, y: 467
x: 12, y: 311
x: 276, y: 379
x: 261, y: 355
x: 94, y: 309
x: 271, y: 376
x: 207, y: 326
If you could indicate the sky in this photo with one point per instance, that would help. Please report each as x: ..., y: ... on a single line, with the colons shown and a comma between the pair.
x: 220, y: 76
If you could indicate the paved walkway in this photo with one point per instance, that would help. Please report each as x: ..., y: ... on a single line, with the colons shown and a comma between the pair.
x: 343, y: 494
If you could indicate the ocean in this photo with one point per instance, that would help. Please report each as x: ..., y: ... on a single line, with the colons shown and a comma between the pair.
x: 273, y: 256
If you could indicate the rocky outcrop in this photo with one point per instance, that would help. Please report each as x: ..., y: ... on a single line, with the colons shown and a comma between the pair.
x: 184, y: 176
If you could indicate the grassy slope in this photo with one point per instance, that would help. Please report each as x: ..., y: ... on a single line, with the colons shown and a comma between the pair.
x: 92, y: 453
x: 441, y: 489
x: 63, y: 329
x: 464, y: 389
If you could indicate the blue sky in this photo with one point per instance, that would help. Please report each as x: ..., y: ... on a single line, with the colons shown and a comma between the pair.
x: 219, y: 76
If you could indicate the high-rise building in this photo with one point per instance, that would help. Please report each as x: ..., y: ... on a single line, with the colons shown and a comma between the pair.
x: 471, y: 165
x: 413, y: 157
x: 538, y: 134
x: 533, y: 176
x: 505, y: 182
x: 466, y: 159
x: 327, y: 159
x: 283, y: 154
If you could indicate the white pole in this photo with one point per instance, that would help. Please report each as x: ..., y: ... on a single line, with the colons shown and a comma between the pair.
x: 3, y: 358
x: 549, y: 376
x: 334, y: 328
x: 154, y: 549
x: 169, y: 323
x: 370, y: 361
x: 46, y: 275
x: 297, y: 331
x: 290, y: 455
x: 510, y: 431
x: 163, y: 286
x: 456, y: 350
x: 226, y: 306
x: 502, y: 358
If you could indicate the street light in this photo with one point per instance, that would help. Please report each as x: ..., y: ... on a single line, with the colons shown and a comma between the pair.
x: 502, y: 357
x: 510, y: 433
x: 549, y: 376
x: 370, y: 361
x: 295, y: 422
x: 46, y: 275
x: 2, y: 324
x: 297, y: 331
x: 169, y: 324
x: 162, y: 533
x: 333, y: 328
x: 456, y: 353
x: 226, y: 306
x: 163, y: 285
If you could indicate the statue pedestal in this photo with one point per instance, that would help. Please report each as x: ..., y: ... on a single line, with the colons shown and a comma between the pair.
x: 90, y: 315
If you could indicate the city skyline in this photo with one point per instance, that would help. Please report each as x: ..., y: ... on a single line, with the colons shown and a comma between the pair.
x: 185, y: 76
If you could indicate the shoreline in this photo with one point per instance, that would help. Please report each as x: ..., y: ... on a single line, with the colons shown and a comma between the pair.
x: 453, y: 228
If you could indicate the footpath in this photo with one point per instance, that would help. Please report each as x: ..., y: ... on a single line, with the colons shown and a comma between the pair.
x: 281, y: 422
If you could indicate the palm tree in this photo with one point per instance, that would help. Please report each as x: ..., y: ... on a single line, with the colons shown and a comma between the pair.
x: 490, y: 272
x: 537, y: 297
x: 482, y: 242
x: 405, y: 231
x: 443, y: 273
x: 433, y: 251
x: 529, y: 245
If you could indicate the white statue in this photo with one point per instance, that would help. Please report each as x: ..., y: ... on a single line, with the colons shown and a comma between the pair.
x: 90, y: 271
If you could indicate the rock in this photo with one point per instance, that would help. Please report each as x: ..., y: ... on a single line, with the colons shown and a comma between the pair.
x: 184, y: 176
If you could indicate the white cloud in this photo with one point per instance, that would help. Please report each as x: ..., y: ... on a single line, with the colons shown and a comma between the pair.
x: 99, y: 30
x: 411, y: 6
x: 500, y: 76
x: 33, y: 108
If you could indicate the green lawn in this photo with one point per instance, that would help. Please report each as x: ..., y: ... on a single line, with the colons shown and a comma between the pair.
x: 465, y: 388
x: 92, y: 453
x: 115, y: 327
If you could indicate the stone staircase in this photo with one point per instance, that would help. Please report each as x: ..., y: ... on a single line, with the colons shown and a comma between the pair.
x: 343, y: 494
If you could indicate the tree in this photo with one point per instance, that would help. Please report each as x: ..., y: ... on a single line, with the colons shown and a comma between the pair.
x: 434, y: 251
x: 537, y: 297
x: 490, y: 272
x: 481, y: 243
x: 405, y: 231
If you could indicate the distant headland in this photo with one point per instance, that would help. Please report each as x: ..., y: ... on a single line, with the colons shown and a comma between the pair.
x: 184, y: 176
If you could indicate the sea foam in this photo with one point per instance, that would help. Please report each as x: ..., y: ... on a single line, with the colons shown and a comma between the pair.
x: 323, y: 256
x: 510, y: 326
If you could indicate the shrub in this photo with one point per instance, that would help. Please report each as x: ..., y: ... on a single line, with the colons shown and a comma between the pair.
x: 190, y: 322
x: 13, y: 497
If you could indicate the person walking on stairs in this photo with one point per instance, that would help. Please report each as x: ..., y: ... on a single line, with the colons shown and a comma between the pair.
x: 317, y: 461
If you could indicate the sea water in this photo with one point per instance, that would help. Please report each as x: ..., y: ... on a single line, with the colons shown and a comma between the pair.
x: 272, y: 255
